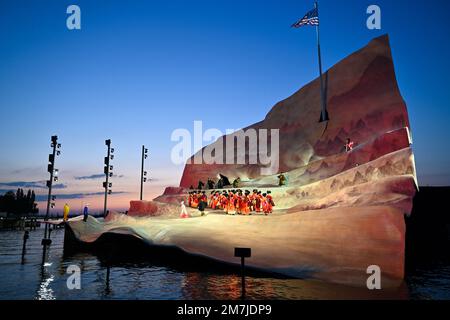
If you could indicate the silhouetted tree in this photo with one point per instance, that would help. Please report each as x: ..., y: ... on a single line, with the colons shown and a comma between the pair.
x: 17, y: 203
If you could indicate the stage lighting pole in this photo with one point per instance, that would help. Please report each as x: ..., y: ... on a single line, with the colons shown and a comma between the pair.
x: 143, y: 173
x: 53, y: 177
x: 108, y: 173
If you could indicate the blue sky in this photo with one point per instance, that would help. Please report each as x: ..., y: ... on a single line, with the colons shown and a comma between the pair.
x: 137, y: 70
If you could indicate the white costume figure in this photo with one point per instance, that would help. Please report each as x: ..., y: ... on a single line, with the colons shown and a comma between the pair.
x: 184, y: 213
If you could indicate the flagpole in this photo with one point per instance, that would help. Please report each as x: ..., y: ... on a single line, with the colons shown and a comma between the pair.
x: 324, y: 113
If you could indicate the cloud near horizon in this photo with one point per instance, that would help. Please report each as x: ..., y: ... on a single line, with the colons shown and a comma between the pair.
x: 31, y: 184
x: 70, y: 196
x: 95, y: 176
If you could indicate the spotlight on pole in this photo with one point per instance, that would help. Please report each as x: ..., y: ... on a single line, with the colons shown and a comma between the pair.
x: 53, y: 204
x: 50, y: 199
x: 108, y: 173
x: 143, y: 173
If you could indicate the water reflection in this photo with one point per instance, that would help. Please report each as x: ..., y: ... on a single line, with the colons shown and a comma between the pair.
x: 217, y: 286
x: 107, y: 287
x: 147, y: 279
x: 45, y: 292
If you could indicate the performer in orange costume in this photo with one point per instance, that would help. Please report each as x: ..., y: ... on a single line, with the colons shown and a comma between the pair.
x: 249, y: 202
x: 252, y: 199
x: 244, y: 203
x: 231, y: 207
x: 224, y: 201
x: 195, y: 200
x: 238, y: 201
x: 258, y: 201
x: 270, y: 203
x: 211, y: 199
x: 215, y: 201
x: 264, y: 204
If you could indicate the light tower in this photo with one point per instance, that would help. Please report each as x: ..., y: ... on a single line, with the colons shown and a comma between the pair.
x: 143, y: 173
x: 56, y: 151
x: 108, y: 173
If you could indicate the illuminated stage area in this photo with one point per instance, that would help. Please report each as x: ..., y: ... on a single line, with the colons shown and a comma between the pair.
x: 341, y: 210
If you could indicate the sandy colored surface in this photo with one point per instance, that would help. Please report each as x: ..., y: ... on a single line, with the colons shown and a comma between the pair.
x: 335, y: 244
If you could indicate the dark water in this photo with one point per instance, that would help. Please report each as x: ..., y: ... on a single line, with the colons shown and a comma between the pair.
x: 27, y: 279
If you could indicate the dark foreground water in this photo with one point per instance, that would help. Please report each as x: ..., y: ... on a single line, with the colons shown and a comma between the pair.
x: 28, y: 279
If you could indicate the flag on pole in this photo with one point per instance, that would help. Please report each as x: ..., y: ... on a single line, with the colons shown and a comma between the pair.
x: 311, y: 19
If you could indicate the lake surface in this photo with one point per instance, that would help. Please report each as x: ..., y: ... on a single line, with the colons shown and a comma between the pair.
x: 29, y: 279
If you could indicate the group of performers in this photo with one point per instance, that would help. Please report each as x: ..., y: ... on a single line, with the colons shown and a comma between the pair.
x: 233, y: 201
